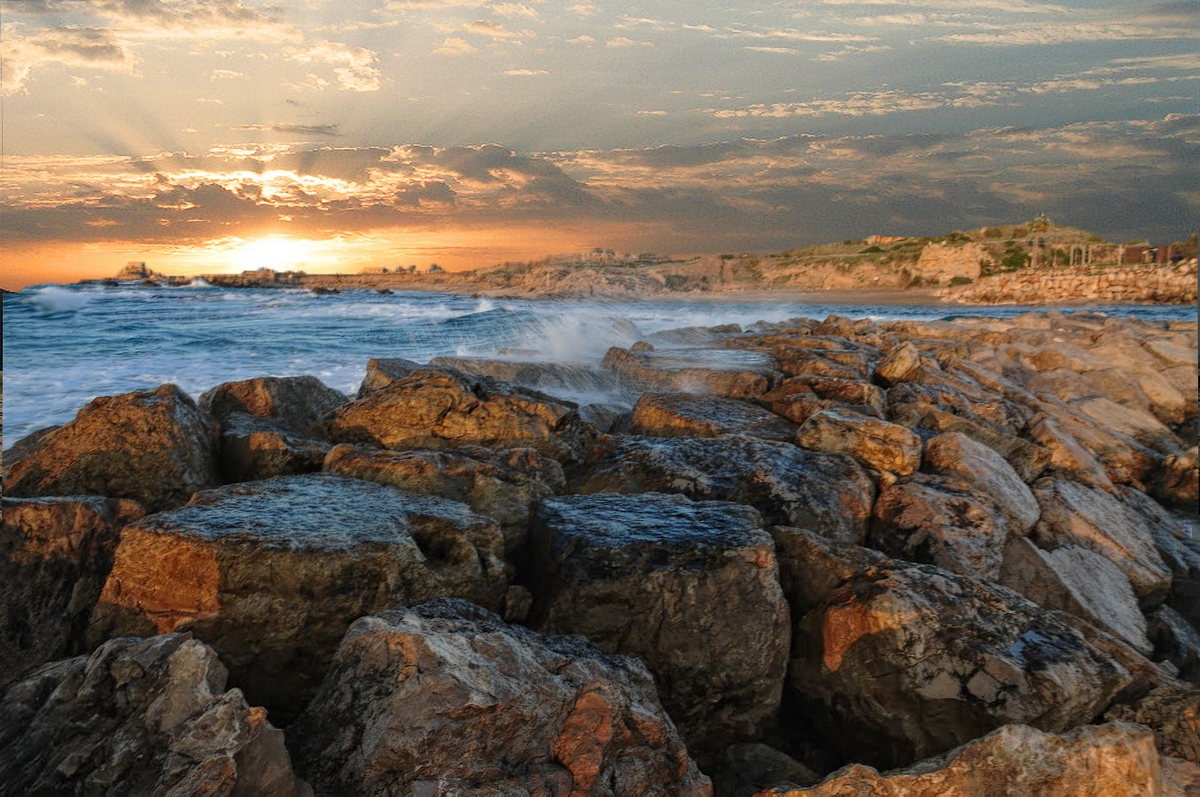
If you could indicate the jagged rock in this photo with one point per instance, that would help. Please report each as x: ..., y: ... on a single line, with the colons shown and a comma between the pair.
x: 904, y: 661
x: 955, y: 454
x: 1125, y: 460
x: 801, y: 396
x: 1115, y: 758
x: 749, y: 768
x: 1076, y: 514
x: 829, y: 494
x: 437, y: 409
x: 297, y: 401
x: 606, y: 416
x: 271, y: 573
x: 1176, y: 641
x: 1132, y: 422
x: 445, y: 698
x: 1068, y: 458
x: 1179, y: 480
x: 880, y: 445
x: 1176, y: 541
x: 382, y: 371
x: 1027, y: 459
x: 139, y: 717
x: 55, y: 554
x: 729, y: 374
x: 153, y: 446
x: 841, y: 363
x: 1080, y: 581
x: 691, y: 589
x: 1172, y: 711
x: 899, y: 365
x: 553, y: 378
x: 253, y: 447
x: 504, y: 485
x: 690, y: 415
x: 941, y: 521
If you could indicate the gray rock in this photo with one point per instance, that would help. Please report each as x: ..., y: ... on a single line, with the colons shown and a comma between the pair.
x: 139, y: 717
x: 955, y: 454
x: 692, y: 589
x: 445, y: 698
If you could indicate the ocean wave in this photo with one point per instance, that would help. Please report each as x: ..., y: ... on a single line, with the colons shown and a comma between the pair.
x: 59, y: 299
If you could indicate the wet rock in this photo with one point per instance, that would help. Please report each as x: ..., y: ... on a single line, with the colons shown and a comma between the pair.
x: 55, y: 554
x: 691, y: 589
x: 445, y: 698
x: 1115, y: 758
x: 139, y: 717
x: 1076, y: 514
x: 297, y: 401
x: 1178, y: 482
x: 879, y: 445
x: 554, y: 378
x: 941, y: 521
x: 1080, y: 581
x: 799, y: 397
x: 503, y: 485
x: 955, y: 454
x: 729, y: 374
x: 153, y: 446
x: 829, y: 494
x: 1068, y: 458
x: 253, y: 448
x: 271, y: 573
x: 606, y: 417
x: 1172, y: 711
x: 1026, y: 458
x: 689, y: 415
x: 382, y: 371
x: 438, y: 409
x: 840, y: 363
x: 903, y: 661
x: 901, y: 364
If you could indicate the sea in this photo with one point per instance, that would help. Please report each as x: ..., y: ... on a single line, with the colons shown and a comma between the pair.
x: 67, y: 344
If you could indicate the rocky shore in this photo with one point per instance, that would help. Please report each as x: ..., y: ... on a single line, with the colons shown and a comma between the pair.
x: 817, y: 557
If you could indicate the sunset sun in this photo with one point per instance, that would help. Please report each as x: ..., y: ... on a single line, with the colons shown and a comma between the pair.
x: 277, y: 252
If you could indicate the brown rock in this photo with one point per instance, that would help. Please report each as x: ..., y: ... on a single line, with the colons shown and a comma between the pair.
x: 1172, y: 711
x: 253, y: 448
x: 55, y: 554
x: 877, y: 444
x: 1068, y: 458
x: 382, y: 371
x: 691, y: 589
x: 271, y: 573
x: 899, y: 365
x: 297, y: 401
x: 503, y: 485
x: 153, y: 446
x: 563, y: 379
x: 1075, y: 514
x: 1016, y: 759
x: 1026, y: 458
x: 1132, y: 422
x: 905, y: 661
x: 944, y: 522
x: 446, y: 698
x: 718, y: 372
x: 689, y: 415
x: 829, y: 494
x: 1178, y: 482
x: 139, y: 717
x: 955, y: 454
x: 438, y: 409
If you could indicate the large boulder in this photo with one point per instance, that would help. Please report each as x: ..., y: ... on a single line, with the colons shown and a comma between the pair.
x: 692, y: 589
x: 1115, y: 758
x: 296, y: 401
x: 941, y: 521
x: 829, y: 494
x: 731, y: 374
x: 139, y: 717
x: 690, y: 415
x: 955, y: 454
x: 254, y: 447
x: 153, y: 446
x: 55, y: 554
x: 1068, y: 458
x: 902, y: 661
x: 272, y: 573
x: 442, y: 408
x: 877, y: 444
x: 1172, y: 711
x: 504, y: 484
x: 382, y: 371
x: 1029, y: 460
x: 446, y: 698
x: 558, y: 379
x: 1076, y: 514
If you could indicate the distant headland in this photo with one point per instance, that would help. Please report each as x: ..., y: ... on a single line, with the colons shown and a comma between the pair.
x: 1036, y: 262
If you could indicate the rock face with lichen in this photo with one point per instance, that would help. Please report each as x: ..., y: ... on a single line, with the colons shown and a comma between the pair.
x: 139, y: 717
x: 445, y: 697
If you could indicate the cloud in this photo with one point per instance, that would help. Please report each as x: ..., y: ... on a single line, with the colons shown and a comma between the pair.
x: 494, y: 30
x: 525, y: 72
x: 225, y: 74
x: 455, y: 46
x: 78, y: 47
x: 354, y: 67
x: 1062, y: 32
x: 777, y: 50
x: 861, y: 103
x: 304, y: 130
x: 623, y: 41
x: 849, y: 51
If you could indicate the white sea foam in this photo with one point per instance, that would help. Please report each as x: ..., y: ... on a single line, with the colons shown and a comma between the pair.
x: 60, y: 299
x: 199, y: 282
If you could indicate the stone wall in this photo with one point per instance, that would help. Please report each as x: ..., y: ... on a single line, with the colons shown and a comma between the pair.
x: 1116, y: 284
x: 940, y: 263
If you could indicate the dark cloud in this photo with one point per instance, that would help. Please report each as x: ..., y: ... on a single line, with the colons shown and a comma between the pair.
x: 332, y: 131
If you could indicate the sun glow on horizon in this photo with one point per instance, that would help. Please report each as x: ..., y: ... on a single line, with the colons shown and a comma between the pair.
x: 276, y: 252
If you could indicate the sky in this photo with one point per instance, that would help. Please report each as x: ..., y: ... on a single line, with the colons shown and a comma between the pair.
x: 205, y: 136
